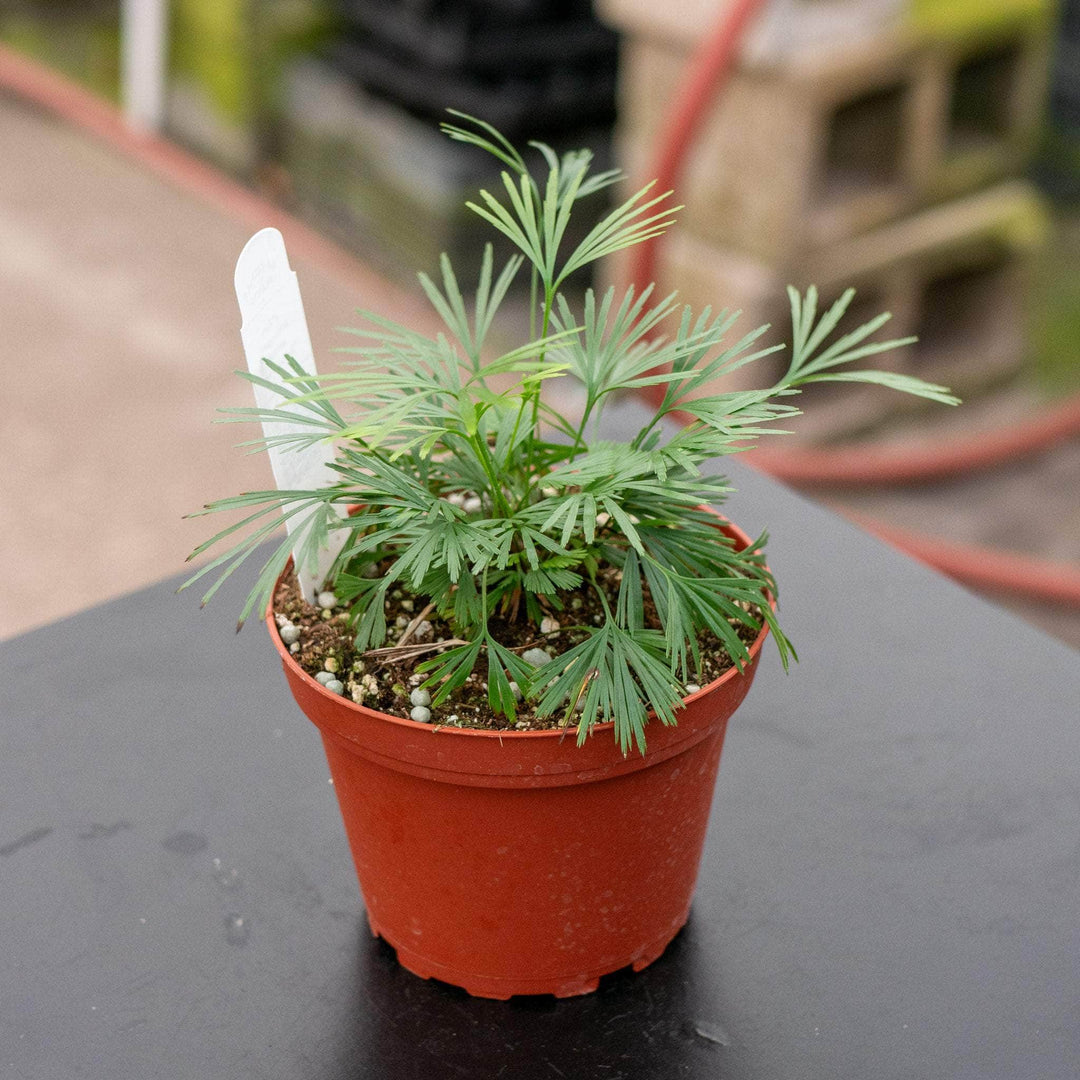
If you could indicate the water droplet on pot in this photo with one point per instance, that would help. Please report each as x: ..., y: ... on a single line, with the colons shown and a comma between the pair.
x: 237, y: 929
x: 707, y: 1031
x: 226, y: 876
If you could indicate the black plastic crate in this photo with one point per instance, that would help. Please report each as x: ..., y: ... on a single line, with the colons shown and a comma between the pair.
x: 482, y: 12
x: 563, y: 98
x: 453, y: 38
x: 1070, y: 20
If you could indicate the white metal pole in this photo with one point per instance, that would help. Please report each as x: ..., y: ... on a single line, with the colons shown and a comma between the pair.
x: 143, y: 36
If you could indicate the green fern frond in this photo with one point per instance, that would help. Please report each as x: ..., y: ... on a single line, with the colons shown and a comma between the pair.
x: 488, y: 501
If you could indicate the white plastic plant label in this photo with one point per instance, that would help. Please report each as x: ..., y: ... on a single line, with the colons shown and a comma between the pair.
x: 274, y: 327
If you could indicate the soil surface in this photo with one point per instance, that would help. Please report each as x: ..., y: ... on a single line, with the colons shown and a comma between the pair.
x: 383, y: 679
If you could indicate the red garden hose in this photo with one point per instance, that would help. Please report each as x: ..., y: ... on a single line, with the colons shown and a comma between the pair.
x: 708, y: 69
x: 869, y: 465
x: 981, y: 567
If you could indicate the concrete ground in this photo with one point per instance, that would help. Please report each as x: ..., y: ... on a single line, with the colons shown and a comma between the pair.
x: 119, y: 336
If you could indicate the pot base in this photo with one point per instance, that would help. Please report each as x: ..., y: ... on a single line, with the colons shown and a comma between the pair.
x: 502, y: 989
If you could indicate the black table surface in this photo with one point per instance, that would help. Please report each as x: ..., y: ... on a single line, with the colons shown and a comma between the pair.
x: 890, y: 888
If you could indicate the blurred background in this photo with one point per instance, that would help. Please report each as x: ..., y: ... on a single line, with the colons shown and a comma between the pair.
x: 925, y: 151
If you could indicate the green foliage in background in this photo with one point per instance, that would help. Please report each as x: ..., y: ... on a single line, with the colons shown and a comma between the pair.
x: 962, y: 19
x: 1055, y: 321
x: 234, y: 50
x: 81, y: 41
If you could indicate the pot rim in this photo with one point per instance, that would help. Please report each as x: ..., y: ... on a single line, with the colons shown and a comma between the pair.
x: 560, y: 733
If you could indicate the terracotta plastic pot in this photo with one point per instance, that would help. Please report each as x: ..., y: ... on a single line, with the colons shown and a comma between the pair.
x: 518, y: 862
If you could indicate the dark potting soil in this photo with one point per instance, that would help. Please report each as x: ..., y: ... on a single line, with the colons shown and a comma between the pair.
x: 382, y: 679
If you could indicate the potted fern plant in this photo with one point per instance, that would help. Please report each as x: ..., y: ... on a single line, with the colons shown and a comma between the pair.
x: 506, y: 578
